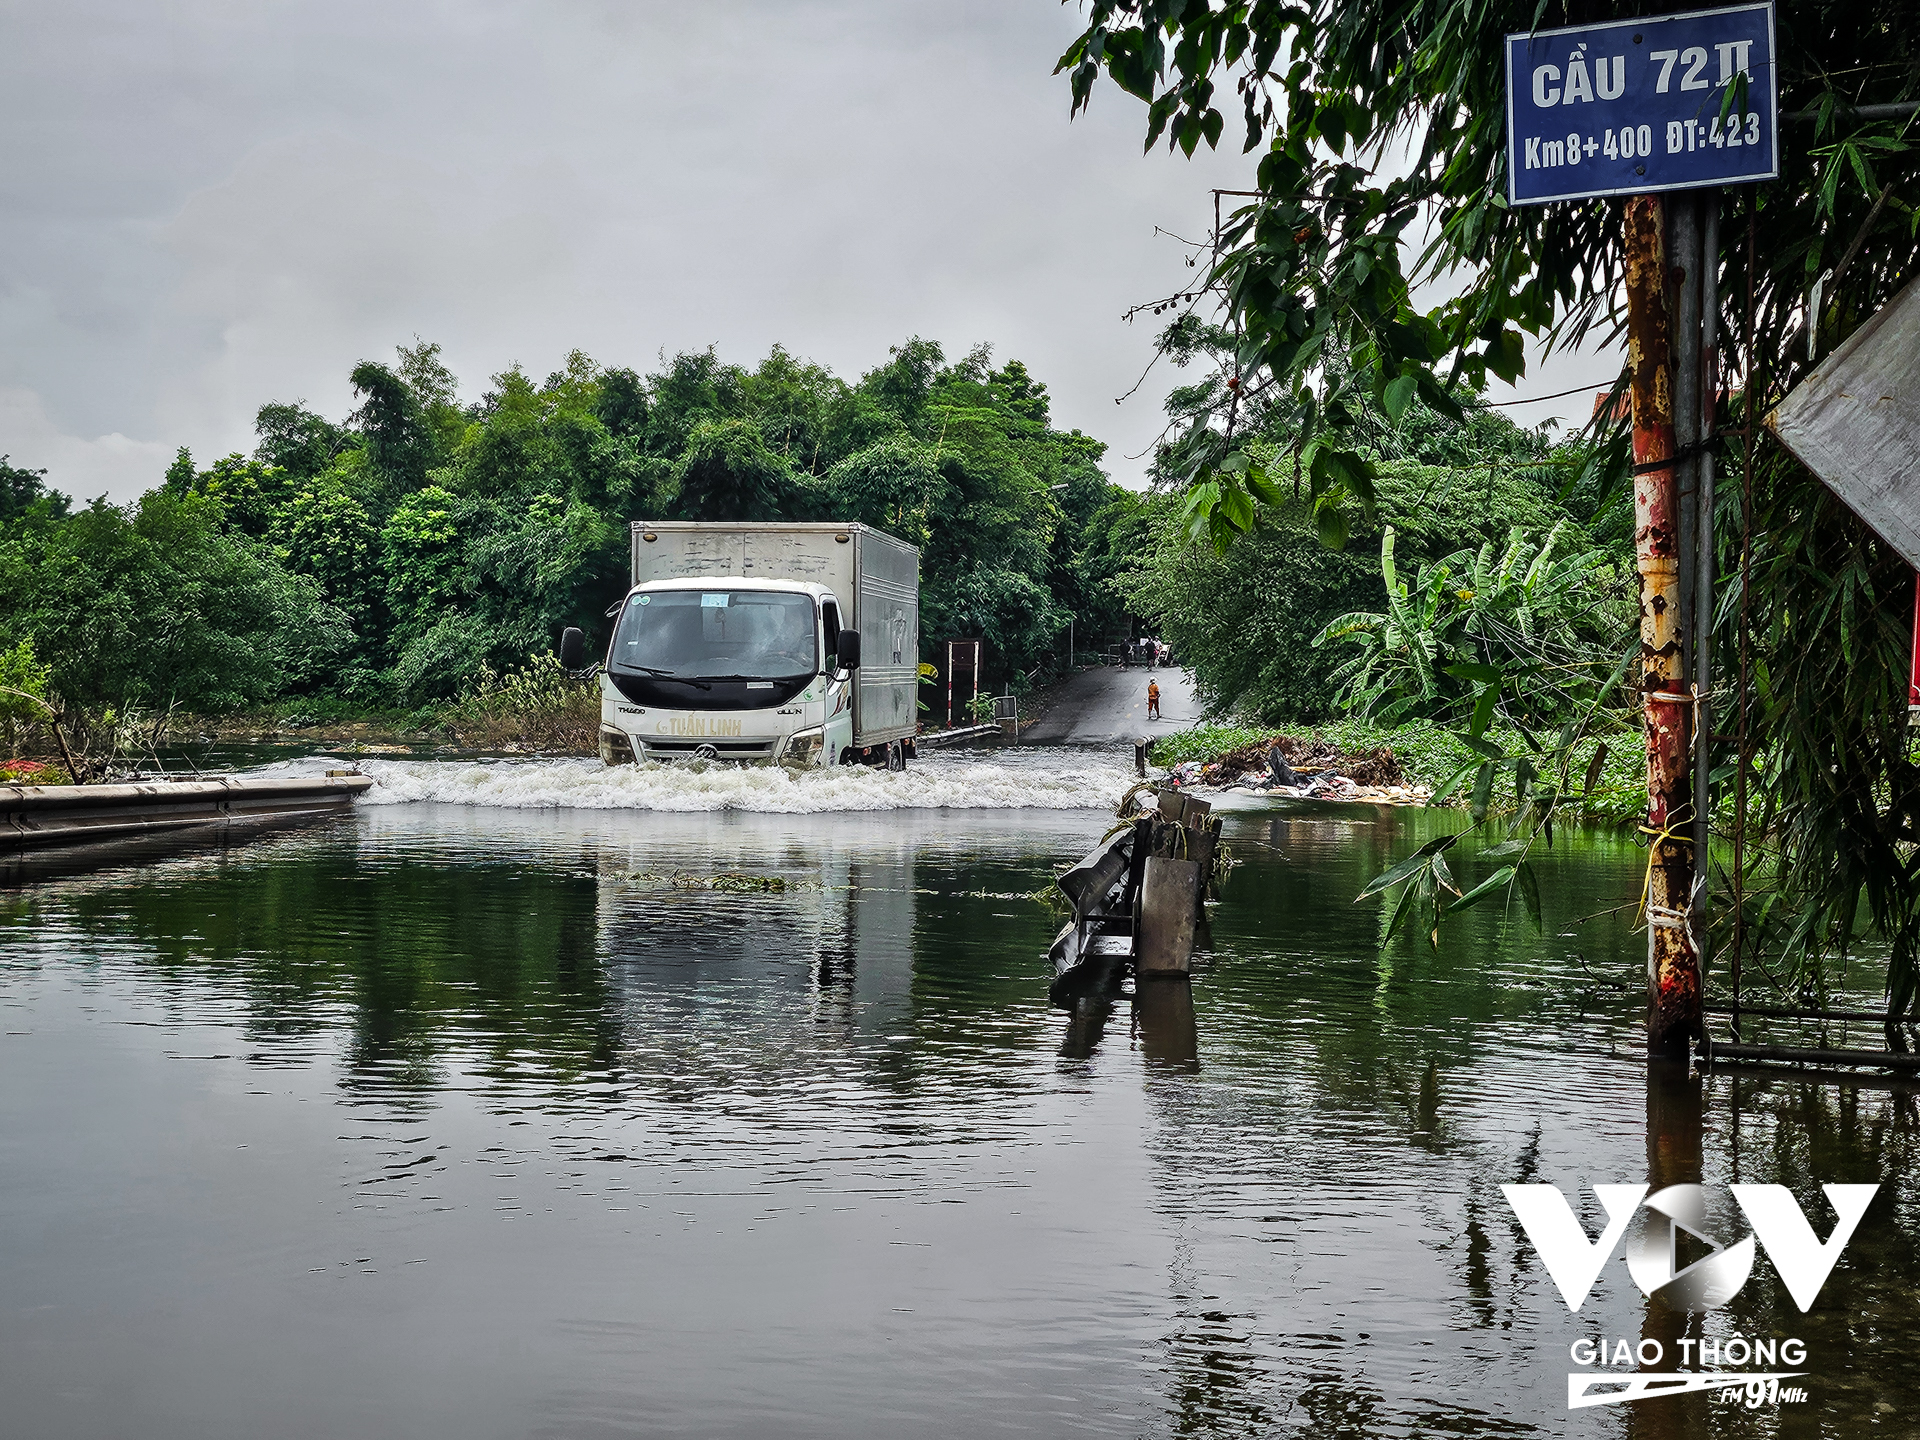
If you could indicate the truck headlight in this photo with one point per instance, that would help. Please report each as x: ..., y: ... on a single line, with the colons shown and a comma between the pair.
x: 615, y: 747
x: 803, y: 746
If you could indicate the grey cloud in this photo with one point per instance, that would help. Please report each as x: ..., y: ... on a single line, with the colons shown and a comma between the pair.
x: 211, y: 205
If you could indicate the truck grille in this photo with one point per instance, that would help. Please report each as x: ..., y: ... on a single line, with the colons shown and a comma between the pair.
x: 722, y: 749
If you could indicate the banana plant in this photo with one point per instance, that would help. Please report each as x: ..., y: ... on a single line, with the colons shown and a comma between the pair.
x: 1507, y: 632
x: 1472, y: 630
x: 1542, y: 780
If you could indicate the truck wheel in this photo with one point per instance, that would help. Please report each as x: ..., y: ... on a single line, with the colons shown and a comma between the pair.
x: 896, y: 756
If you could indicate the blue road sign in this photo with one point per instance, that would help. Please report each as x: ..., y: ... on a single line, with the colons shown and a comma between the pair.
x: 1634, y: 106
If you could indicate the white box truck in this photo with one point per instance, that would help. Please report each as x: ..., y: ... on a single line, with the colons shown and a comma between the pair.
x: 796, y: 644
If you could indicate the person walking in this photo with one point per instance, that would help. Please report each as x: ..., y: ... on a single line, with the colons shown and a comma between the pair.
x: 1153, y: 699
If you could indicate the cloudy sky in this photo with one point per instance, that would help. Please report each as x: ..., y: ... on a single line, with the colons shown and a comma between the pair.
x: 207, y: 204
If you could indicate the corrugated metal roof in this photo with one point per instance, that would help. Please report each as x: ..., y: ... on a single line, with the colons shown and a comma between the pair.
x: 1855, y: 422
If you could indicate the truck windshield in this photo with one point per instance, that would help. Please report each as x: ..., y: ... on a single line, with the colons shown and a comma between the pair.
x: 734, y: 635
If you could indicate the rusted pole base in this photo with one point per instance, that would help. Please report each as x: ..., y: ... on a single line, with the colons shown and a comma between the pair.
x: 1673, y: 970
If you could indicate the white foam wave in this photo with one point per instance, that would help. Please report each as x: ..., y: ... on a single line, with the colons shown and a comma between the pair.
x: 944, y: 783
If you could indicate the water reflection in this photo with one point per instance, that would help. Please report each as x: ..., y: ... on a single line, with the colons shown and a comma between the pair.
x: 488, y: 1122
x: 1163, y: 1017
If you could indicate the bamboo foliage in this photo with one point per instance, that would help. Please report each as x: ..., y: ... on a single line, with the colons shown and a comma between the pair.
x: 1311, y: 276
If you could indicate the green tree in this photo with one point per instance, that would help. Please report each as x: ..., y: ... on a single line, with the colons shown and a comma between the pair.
x: 20, y: 489
x: 1312, y: 281
x: 1014, y: 388
x: 296, y: 440
x: 457, y: 540
x: 180, y: 474
x: 621, y: 405
x: 903, y: 385
x: 399, y: 437
x: 694, y: 388
x: 435, y: 390
x: 896, y: 485
x: 249, y: 492
x: 422, y: 561
x: 1245, y: 619
x: 161, y: 601
x: 325, y: 533
x: 24, y: 687
x: 728, y: 473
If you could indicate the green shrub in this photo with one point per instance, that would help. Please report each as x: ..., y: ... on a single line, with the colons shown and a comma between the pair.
x: 537, y: 707
x: 1245, y: 621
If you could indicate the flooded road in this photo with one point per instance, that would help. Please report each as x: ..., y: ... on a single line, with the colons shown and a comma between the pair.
x: 546, y: 1101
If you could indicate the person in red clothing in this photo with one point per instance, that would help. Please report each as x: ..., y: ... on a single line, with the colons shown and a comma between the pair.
x: 1153, y: 699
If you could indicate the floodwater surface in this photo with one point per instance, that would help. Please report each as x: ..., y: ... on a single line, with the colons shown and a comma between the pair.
x: 537, y: 1100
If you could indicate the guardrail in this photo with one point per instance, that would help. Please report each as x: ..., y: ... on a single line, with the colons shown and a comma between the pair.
x: 34, y: 815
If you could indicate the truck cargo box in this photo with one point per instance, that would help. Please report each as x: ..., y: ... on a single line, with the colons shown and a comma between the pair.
x: 875, y: 577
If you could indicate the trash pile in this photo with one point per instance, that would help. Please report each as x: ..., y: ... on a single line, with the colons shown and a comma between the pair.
x: 1308, y: 768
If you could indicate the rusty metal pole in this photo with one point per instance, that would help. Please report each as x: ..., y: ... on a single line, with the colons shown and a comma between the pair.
x: 1673, y: 972
x: 1682, y: 272
x: 1706, y: 566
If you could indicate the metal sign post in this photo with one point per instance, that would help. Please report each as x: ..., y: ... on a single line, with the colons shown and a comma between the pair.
x: 1638, y: 107
x: 958, y: 650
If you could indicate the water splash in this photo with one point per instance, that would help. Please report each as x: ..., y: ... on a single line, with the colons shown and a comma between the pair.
x: 937, y: 783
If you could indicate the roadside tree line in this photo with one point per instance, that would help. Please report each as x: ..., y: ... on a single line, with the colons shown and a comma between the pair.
x: 401, y: 555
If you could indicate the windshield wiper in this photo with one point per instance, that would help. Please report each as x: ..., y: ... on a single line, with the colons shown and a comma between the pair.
x: 759, y: 679
x: 660, y: 674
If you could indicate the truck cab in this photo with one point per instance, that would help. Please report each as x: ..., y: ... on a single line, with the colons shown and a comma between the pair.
x: 727, y: 668
x: 742, y: 641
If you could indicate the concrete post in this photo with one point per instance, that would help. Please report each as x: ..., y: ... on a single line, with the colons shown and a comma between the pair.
x: 1164, y: 945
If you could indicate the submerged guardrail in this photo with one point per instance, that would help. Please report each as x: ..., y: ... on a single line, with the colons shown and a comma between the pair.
x: 40, y: 815
x: 1138, y: 897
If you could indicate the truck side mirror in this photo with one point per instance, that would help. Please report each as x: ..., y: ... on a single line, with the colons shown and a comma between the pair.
x: 573, y: 648
x: 849, y: 648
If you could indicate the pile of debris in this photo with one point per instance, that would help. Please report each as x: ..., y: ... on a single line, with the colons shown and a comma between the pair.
x: 1308, y: 767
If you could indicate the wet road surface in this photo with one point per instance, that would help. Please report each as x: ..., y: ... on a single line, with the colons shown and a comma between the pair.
x: 1108, y: 706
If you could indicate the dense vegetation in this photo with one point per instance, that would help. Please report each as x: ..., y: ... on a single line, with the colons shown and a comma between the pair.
x: 1249, y: 616
x: 418, y: 548
x: 1372, y: 125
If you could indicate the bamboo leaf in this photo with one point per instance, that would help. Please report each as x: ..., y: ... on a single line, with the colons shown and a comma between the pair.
x: 1529, y: 891
x: 1402, y: 907
x: 1486, y: 887
x: 1416, y: 861
x: 1483, y: 712
x: 1594, y: 767
x: 1482, y: 793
